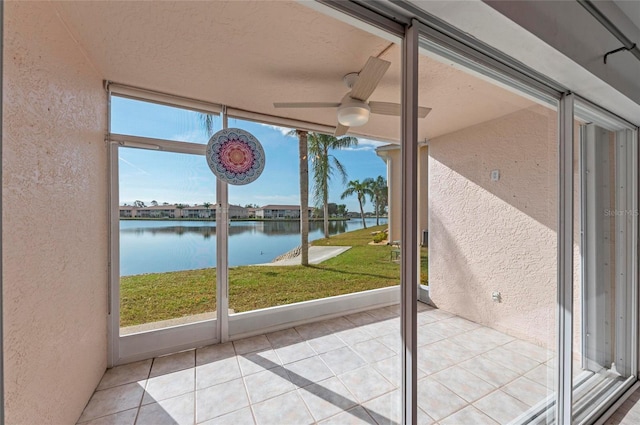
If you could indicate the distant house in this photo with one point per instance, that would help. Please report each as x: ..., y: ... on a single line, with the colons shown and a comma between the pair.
x: 127, y: 211
x: 159, y: 211
x: 280, y: 211
x: 236, y: 211
x: 199, y: 211
x: 172, y: 211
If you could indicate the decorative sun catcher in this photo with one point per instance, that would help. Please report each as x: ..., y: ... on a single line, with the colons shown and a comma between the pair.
x: 235, y: 156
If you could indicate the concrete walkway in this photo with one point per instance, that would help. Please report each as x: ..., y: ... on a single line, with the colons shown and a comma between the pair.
x: 317, y: 254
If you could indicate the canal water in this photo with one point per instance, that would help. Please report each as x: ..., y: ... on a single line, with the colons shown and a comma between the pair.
x: 169, y: 245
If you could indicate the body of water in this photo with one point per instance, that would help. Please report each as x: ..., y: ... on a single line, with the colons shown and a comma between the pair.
x: 169, y: 245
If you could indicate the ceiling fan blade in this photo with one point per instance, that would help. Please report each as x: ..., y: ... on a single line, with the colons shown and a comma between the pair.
x: 306, y: 104
x: 369, y: 78
x: 385, y: 108
x: 341, y: 130
x: 388, y: 108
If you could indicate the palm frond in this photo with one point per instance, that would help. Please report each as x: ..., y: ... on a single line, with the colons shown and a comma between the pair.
x: 350, y: 191
x: 344, y: 142
x: 341, y: 170
x: 324, y: 165
x: 207, y: 121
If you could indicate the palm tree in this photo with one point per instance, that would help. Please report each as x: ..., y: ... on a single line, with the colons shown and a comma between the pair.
x: 378, y: 195
x: 324, y: 166
x: 361, y: 190
x: 207, y: 205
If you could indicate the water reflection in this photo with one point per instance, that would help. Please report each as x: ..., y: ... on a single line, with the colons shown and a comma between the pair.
x: 152, y: 246
x: 237, y: 228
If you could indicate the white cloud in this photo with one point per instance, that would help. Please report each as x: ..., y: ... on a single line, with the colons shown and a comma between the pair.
x: 283, y: 130
x: 193, y: 136
x: 366, y: 145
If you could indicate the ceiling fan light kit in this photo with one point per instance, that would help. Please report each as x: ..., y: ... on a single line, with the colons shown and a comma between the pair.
x: 353, y: 113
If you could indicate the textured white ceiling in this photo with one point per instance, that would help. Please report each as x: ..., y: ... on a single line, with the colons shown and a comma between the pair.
x: 248, y: 55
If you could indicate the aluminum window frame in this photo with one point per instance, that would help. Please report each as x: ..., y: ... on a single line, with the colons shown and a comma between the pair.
x: 587, y: 111
x: 129, y: 348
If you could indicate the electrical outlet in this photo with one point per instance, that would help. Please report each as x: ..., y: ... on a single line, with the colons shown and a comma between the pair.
x: 495, y: 175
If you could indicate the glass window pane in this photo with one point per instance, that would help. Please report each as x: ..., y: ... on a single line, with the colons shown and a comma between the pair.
x: 167, y: 240
x: 487, y: 333
x: 265, y: 239
x: 146, y: 119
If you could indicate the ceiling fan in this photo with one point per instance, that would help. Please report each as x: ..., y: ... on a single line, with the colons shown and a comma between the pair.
x: 354, y: 109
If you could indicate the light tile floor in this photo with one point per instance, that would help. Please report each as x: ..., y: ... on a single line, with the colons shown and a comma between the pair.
x: 339, y: 371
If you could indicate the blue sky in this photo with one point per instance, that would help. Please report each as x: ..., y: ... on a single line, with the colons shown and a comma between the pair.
x: 178, y: 178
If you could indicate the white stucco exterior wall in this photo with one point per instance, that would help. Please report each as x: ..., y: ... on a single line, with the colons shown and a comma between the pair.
x: 54, y: 249
x: 393, y: 157
x: 490, y: 236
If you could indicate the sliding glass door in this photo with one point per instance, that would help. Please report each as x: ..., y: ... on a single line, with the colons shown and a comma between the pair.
x: 487, y: 353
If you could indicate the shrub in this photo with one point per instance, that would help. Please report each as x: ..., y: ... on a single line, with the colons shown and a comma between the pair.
x: 379, y: 237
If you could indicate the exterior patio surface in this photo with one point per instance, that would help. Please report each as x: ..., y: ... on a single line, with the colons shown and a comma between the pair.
x: 628, y: 413
x: 340, y: 371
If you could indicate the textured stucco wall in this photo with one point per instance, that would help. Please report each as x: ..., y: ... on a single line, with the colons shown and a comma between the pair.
x: 54, y: 249
x: 490, y: 236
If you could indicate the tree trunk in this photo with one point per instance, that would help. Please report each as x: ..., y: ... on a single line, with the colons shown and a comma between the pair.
x: 364, y: 224
x: 325, y: 196
x: 304, y: 198
x: 377, y: 213
x: 325, y: 213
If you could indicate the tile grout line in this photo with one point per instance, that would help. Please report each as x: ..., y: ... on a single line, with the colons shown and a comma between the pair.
x: 244, y: 383
x: 144, y: 392
x: 195, y: 388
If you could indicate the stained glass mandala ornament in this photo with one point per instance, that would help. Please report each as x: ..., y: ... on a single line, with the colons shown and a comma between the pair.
x: 235, y: 156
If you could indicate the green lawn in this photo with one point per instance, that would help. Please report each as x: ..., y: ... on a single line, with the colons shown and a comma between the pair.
x: 160, y: 296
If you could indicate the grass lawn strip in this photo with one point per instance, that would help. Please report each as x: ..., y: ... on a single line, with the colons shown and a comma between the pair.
x: 160, y: 296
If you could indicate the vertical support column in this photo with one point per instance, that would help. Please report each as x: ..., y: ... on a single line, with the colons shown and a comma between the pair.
x: 113, y: 285
x: 1, y: 286
x: 113, y: 294
x: 409, y: 232
x: 565, y: 260
x: 222, y: 250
